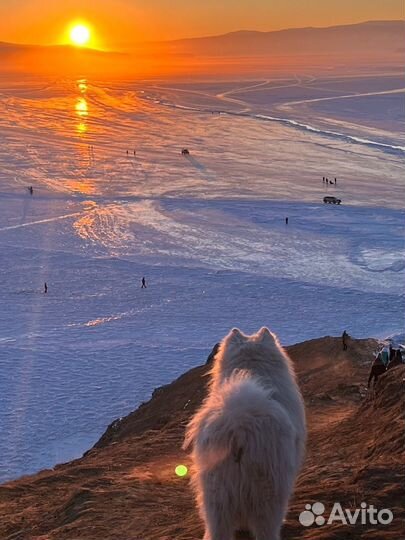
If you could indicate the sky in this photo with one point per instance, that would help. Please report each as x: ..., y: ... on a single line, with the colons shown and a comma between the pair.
x: 119, y: 24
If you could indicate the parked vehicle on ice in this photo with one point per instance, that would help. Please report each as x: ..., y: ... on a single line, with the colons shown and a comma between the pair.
x: 331, y: 200
x: 185, y: 152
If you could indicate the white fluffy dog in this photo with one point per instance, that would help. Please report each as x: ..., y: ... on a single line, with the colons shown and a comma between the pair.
x: 248, y: 439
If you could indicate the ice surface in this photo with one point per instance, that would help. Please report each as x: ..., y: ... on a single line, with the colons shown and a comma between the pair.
x: 363, y: 107
x: 208, y: 231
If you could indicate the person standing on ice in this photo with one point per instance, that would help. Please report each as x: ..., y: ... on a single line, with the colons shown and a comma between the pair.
x: 31, y: 190
x: 286, y: 220
x: 345, y: 335
x: 143, y: 286
x: 45, y: 288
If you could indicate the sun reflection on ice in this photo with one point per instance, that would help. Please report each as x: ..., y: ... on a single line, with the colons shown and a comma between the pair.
x: 81, y: 107
x: 82, y: 85
x: 81, y: 128
x: 81, y: 186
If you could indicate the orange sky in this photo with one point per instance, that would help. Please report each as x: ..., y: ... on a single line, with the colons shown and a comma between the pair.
x: 118, y: 24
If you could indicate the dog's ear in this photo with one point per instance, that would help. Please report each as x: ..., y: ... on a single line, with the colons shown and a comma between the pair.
x: 264, y: 335
x: 235, y: 336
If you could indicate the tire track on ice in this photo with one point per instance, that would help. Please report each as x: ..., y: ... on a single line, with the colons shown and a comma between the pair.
x: 40, y: 221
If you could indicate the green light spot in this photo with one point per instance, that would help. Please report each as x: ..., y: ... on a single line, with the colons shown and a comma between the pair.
x: 181, y: 470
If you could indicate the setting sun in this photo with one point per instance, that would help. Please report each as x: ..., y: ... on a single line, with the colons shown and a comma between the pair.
x: 80, y: 35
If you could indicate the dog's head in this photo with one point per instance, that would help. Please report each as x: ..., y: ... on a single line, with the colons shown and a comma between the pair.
x: 241, y: 351
x: 237, y: 340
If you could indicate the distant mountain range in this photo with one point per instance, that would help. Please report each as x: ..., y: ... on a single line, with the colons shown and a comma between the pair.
x: 372, y: 37
x: 15, y: 50
x: 58, y: 59
x: 373, y: 40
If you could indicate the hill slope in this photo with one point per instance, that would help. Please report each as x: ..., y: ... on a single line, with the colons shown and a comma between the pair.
x: 125, y: 487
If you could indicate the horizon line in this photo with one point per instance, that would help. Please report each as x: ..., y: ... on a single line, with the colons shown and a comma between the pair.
x: 137, y: 43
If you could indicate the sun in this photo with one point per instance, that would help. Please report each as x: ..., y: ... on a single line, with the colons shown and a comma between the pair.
x: 80, y: 35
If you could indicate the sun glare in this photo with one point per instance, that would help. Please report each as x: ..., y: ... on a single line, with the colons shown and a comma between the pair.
x: 80, y: 35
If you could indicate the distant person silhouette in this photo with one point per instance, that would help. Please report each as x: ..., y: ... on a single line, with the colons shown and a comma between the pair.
x: 345, y: 335
x: 335, y: 181
x: 286, y: 220
x: 134, y: 152
x: 31, y: 190
x: 143, y: 286
x: 45, y: 288
x: 127, y: 152
x: 377, y: 369
x: 396, y: 359
x: 323, y: 179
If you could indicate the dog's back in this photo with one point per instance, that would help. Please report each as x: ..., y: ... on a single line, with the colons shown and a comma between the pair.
x: 246, y: 457
x: 247, y: 451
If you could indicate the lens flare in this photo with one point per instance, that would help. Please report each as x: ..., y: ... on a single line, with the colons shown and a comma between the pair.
x: 181, y: 470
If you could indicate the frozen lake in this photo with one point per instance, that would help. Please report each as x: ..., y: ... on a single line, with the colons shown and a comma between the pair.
x: 206, y: 230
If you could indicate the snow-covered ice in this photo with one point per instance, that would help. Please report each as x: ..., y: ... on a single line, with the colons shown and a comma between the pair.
x: 208, y: 231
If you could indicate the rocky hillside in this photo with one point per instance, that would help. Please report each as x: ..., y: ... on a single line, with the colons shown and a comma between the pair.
x: 125, y: 487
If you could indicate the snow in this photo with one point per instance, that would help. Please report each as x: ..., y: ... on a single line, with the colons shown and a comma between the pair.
x: 207, y: 231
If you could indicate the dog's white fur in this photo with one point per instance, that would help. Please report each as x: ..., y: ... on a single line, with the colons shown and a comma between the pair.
x: 248, y: 438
